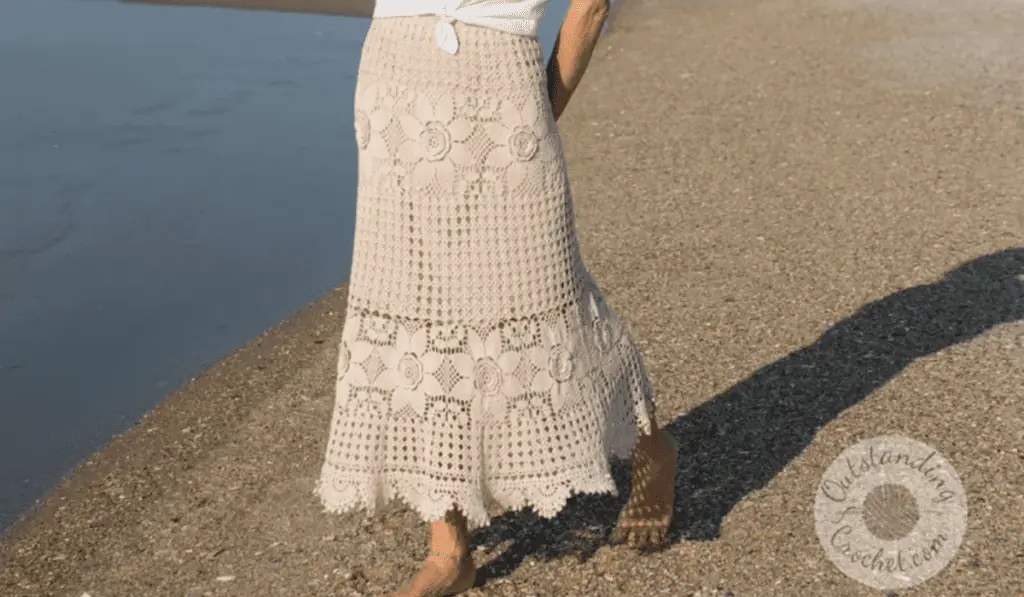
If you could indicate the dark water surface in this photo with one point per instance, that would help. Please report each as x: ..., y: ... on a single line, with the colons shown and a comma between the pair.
x: 173, y: 181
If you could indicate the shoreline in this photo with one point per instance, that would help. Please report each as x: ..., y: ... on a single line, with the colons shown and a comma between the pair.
x: 792, y: 254
x: 90, y: 465
x: 178, y: 430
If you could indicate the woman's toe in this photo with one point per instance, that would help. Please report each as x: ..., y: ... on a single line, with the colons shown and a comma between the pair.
x: 659, y: 538
x: 618, y: 535
x: 643, y: 536
x: 633, y: 538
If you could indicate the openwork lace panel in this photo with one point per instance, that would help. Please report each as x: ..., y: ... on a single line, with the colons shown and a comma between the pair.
x: 480, y: 366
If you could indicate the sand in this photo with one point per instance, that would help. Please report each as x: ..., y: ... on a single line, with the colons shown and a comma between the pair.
x: 811, y: 214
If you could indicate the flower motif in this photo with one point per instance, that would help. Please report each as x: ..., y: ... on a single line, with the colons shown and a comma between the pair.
x: 372, y: 115
x: 518, y: 136
x: 351, y: 350
x: 407, y: 363
x: 560, y: 364
x: 556, y: 362
x: 522, y: 143
x: 435, y: 141
x: 487, y: 375
x: 410, y: 370
x: 362, y: 128
x: 344, y: 357
x: 603, y: 333
x: 435, y: 134
x: 605, y: 330
x: 487, y: 370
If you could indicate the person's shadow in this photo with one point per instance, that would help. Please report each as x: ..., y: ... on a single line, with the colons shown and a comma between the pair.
x: 737, y: 441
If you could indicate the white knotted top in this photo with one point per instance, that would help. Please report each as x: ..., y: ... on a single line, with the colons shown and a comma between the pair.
x: 514, y: 16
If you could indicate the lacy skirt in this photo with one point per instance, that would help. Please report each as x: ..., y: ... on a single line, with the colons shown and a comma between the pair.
x: 480, y: 367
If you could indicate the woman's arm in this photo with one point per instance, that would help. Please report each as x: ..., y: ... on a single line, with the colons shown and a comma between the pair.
x: 573, y: 48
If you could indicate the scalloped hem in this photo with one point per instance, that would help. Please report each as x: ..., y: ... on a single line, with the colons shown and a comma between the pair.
x: 478, y: 506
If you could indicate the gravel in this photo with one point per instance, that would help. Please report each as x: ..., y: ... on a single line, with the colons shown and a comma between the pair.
x: 814, y: 244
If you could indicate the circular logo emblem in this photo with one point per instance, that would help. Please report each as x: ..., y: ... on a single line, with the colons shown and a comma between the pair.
x: 890, y: 512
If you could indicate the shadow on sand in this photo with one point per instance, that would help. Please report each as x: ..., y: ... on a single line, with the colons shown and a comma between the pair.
x: 737, y: 441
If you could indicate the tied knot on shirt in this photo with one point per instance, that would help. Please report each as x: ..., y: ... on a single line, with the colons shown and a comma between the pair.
x: 444, y: 32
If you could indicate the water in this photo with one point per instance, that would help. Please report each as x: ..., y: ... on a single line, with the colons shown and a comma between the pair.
x: 173, y: 181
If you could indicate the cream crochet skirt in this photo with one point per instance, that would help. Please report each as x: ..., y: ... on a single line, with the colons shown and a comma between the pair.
x: 480, y: 367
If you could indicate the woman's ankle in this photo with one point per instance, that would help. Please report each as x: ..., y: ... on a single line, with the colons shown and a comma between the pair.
x: 654, y: 441
x: 449, y: 535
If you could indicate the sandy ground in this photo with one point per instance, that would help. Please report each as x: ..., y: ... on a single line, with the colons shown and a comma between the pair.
x: 811, y: 214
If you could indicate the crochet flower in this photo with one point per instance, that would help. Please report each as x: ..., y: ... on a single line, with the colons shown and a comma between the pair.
x: 434, y: 134
x: 604, y: 327
x: 518, y: 136
x: 407, y: 371
x: 556, y: 362
x: 362, y: 129
x: 371, y: 117
x: 351, y: 351
x: 488, y: 371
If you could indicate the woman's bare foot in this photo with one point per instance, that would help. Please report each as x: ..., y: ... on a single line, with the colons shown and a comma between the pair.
x: 448, y: 569
x: 645, y: 520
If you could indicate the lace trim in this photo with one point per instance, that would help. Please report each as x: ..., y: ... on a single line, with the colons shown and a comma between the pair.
x: 343, y: 493
x: 613, y: 411
x: 446, y: 394
x: 438, y: 414
x: 541, y: 361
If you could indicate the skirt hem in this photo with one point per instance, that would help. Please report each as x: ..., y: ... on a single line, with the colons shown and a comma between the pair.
x: 340, y: 496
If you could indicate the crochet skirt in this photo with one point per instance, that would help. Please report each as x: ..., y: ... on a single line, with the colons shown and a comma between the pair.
x: 480, y: 367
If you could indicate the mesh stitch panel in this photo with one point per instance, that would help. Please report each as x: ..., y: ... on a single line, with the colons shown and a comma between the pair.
x: 480, y: 366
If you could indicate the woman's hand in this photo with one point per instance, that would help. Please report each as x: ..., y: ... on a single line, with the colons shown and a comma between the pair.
x: 573, y: 47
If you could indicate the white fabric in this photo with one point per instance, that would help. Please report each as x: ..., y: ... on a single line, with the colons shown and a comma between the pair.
x: 480, y: 366
x: 521, y: 17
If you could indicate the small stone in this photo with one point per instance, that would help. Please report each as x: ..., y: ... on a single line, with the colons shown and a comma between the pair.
x: 227, y: 578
